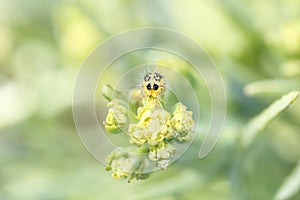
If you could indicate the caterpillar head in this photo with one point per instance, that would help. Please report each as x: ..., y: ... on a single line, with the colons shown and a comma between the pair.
x: 153, y: 84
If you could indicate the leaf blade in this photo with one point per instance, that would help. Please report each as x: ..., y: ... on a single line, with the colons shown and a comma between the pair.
x: 259, y: 122
x: 290, y: 186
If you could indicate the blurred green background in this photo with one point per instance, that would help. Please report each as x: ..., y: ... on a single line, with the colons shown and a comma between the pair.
x: 255, y: 44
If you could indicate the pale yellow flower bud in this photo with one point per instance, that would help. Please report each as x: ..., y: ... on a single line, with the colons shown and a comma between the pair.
x: 182, y: 120
x: 154, y: 124
x: 137, y: 134
x: 124, y: 165
x: 116, y: 118
x: 162, y: 154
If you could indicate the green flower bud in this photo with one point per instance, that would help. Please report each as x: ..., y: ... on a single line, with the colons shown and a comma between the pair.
x: 116, y: 118
x: 162, y: 154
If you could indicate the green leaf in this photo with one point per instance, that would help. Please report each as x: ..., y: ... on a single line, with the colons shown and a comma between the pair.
x: 271, y: 86
x: 290, y: 186
x: 258, y: 123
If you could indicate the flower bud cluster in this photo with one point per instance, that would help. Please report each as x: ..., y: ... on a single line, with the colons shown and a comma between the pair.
x: 155, y: 129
